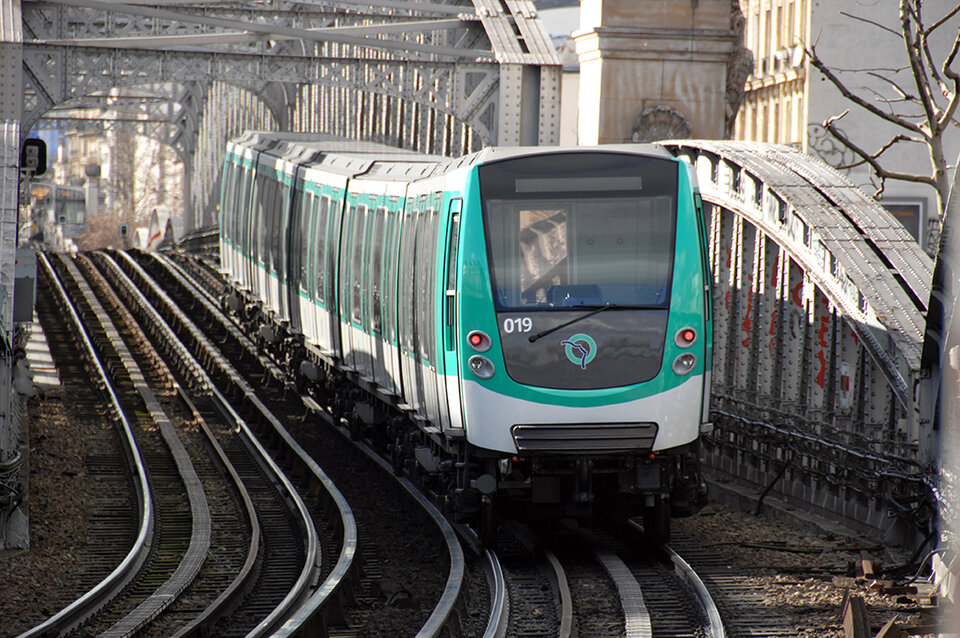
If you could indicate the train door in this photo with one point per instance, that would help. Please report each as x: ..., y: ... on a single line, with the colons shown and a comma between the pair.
x: 297, y: 240
x: 351, y: 284
x: 428, y: 323
x: 389, y: 287
x: 331, y: 303
x: 408, y: 306
x: 448, y: 364
x: 363, y: 248
x: 378, y: 344
x: 281, y: 262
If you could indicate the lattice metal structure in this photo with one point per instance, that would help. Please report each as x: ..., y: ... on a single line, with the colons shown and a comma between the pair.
x: 445, y: 76
x: 820, y: 297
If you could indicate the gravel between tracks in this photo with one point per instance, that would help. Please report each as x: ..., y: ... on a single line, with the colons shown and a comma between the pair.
x: 804, y: 572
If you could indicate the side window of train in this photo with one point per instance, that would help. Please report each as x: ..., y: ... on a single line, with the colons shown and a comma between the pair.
x: 376, y: 269
x: 283, y: 220
x: 253, y: 223
x: 331, y: 216
x: 451, y: 286
x: 226, y: 205
x: 321, y: 239
x: 243, y: 209
x: 356, y: 264
x: 422, y: 266
x: 306, y: 255
x: 407, y: 280
x: 391, y: 272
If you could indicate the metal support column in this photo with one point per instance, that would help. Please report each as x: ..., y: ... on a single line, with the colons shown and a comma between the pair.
x: 13, y: 519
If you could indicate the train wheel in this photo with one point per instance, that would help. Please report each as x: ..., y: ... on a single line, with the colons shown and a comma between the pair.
x: 656, y: 523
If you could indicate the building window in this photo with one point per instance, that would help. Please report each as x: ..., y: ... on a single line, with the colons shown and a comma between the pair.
x: 909, y: 212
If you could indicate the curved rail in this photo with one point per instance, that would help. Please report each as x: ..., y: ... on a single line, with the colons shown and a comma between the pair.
x: 303, y: 604
x: 690, y: 576
x: 200, y: 522
x: 444, y: 611
x: 499, y: 607
x: 85, y: 606
x: 192, y: 367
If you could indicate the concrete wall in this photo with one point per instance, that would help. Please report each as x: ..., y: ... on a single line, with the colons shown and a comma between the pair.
x: 652, y: 68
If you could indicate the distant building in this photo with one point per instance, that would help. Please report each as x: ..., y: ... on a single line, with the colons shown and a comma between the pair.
x: 787, y: 100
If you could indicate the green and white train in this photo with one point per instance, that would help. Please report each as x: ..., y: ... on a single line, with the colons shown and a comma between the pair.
x: 523, y: 329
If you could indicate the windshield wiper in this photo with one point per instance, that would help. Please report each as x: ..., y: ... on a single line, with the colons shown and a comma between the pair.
x: 574, y: 320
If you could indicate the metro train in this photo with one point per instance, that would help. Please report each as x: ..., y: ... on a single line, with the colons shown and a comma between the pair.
x: 524, y: 330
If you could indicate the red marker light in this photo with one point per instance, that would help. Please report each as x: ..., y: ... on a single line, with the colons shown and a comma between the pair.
x: 478, y: 341
x: 685, y: 337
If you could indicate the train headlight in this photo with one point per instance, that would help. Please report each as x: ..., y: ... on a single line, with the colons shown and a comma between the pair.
x: 684, y: 363
x: 686, y: 337
x: 478, y: 340
x: 481, y: 366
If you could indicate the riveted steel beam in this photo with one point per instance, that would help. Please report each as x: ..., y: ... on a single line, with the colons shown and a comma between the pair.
x: 821, y: 296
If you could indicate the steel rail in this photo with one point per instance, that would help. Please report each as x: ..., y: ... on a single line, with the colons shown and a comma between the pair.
x: 200, y: 522
x: 308, y: 574
x: 636, y: 616
x: 687, y: 573
x: 500, y: 607
x: 443, y: 611
x: 187, y: 360
x: 85, y: 606
x: 293, y: 618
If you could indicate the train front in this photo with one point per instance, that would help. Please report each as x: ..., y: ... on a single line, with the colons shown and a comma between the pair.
x: 584, y: 309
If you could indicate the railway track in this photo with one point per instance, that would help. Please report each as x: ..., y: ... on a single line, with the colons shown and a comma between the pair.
x: 161, y: 565
x: 417, y: 572
x: 535, y: 586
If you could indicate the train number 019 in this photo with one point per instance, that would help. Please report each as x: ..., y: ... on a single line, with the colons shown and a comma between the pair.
x: 520, y: 324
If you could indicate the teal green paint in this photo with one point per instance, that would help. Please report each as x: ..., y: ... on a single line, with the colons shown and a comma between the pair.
x: 477, y: 309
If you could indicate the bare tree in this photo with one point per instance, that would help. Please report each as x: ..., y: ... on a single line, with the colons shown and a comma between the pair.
x: 923, y: 112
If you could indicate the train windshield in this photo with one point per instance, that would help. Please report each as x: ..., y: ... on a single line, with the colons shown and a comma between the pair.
x: 580, y: 230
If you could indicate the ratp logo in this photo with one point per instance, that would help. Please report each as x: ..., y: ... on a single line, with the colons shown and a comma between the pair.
x: 580, y: 349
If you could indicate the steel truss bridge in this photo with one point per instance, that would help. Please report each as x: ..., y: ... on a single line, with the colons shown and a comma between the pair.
x: 819, y: 298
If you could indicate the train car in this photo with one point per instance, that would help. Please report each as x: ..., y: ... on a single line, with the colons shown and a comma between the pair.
x: 521, y: 329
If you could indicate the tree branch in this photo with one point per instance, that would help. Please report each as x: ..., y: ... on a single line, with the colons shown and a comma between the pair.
x: 889, y: 117
x: 943, y: 20
x: 916, y: 63
x: 951, y: 109
x: 872, y: 160
x: 874, y: 23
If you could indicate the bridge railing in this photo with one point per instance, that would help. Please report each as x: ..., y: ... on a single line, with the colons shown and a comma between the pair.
x: 820, y: 296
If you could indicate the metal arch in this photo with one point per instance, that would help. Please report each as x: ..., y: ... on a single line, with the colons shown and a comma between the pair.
x: 820, y: 297
x: 167, y: 113
x: 790, y: 204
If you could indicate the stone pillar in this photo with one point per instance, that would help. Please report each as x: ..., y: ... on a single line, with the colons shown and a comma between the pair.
x: 655, y: 69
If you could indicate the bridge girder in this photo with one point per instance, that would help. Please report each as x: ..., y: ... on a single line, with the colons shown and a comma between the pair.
x: 438, y: 65
x: 820, y: 297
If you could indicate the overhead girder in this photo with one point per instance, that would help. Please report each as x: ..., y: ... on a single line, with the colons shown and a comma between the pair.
x: 820, y: 297
x: 168, y: 113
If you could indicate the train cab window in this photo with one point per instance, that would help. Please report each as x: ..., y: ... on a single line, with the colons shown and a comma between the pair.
x: 580, y: 230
